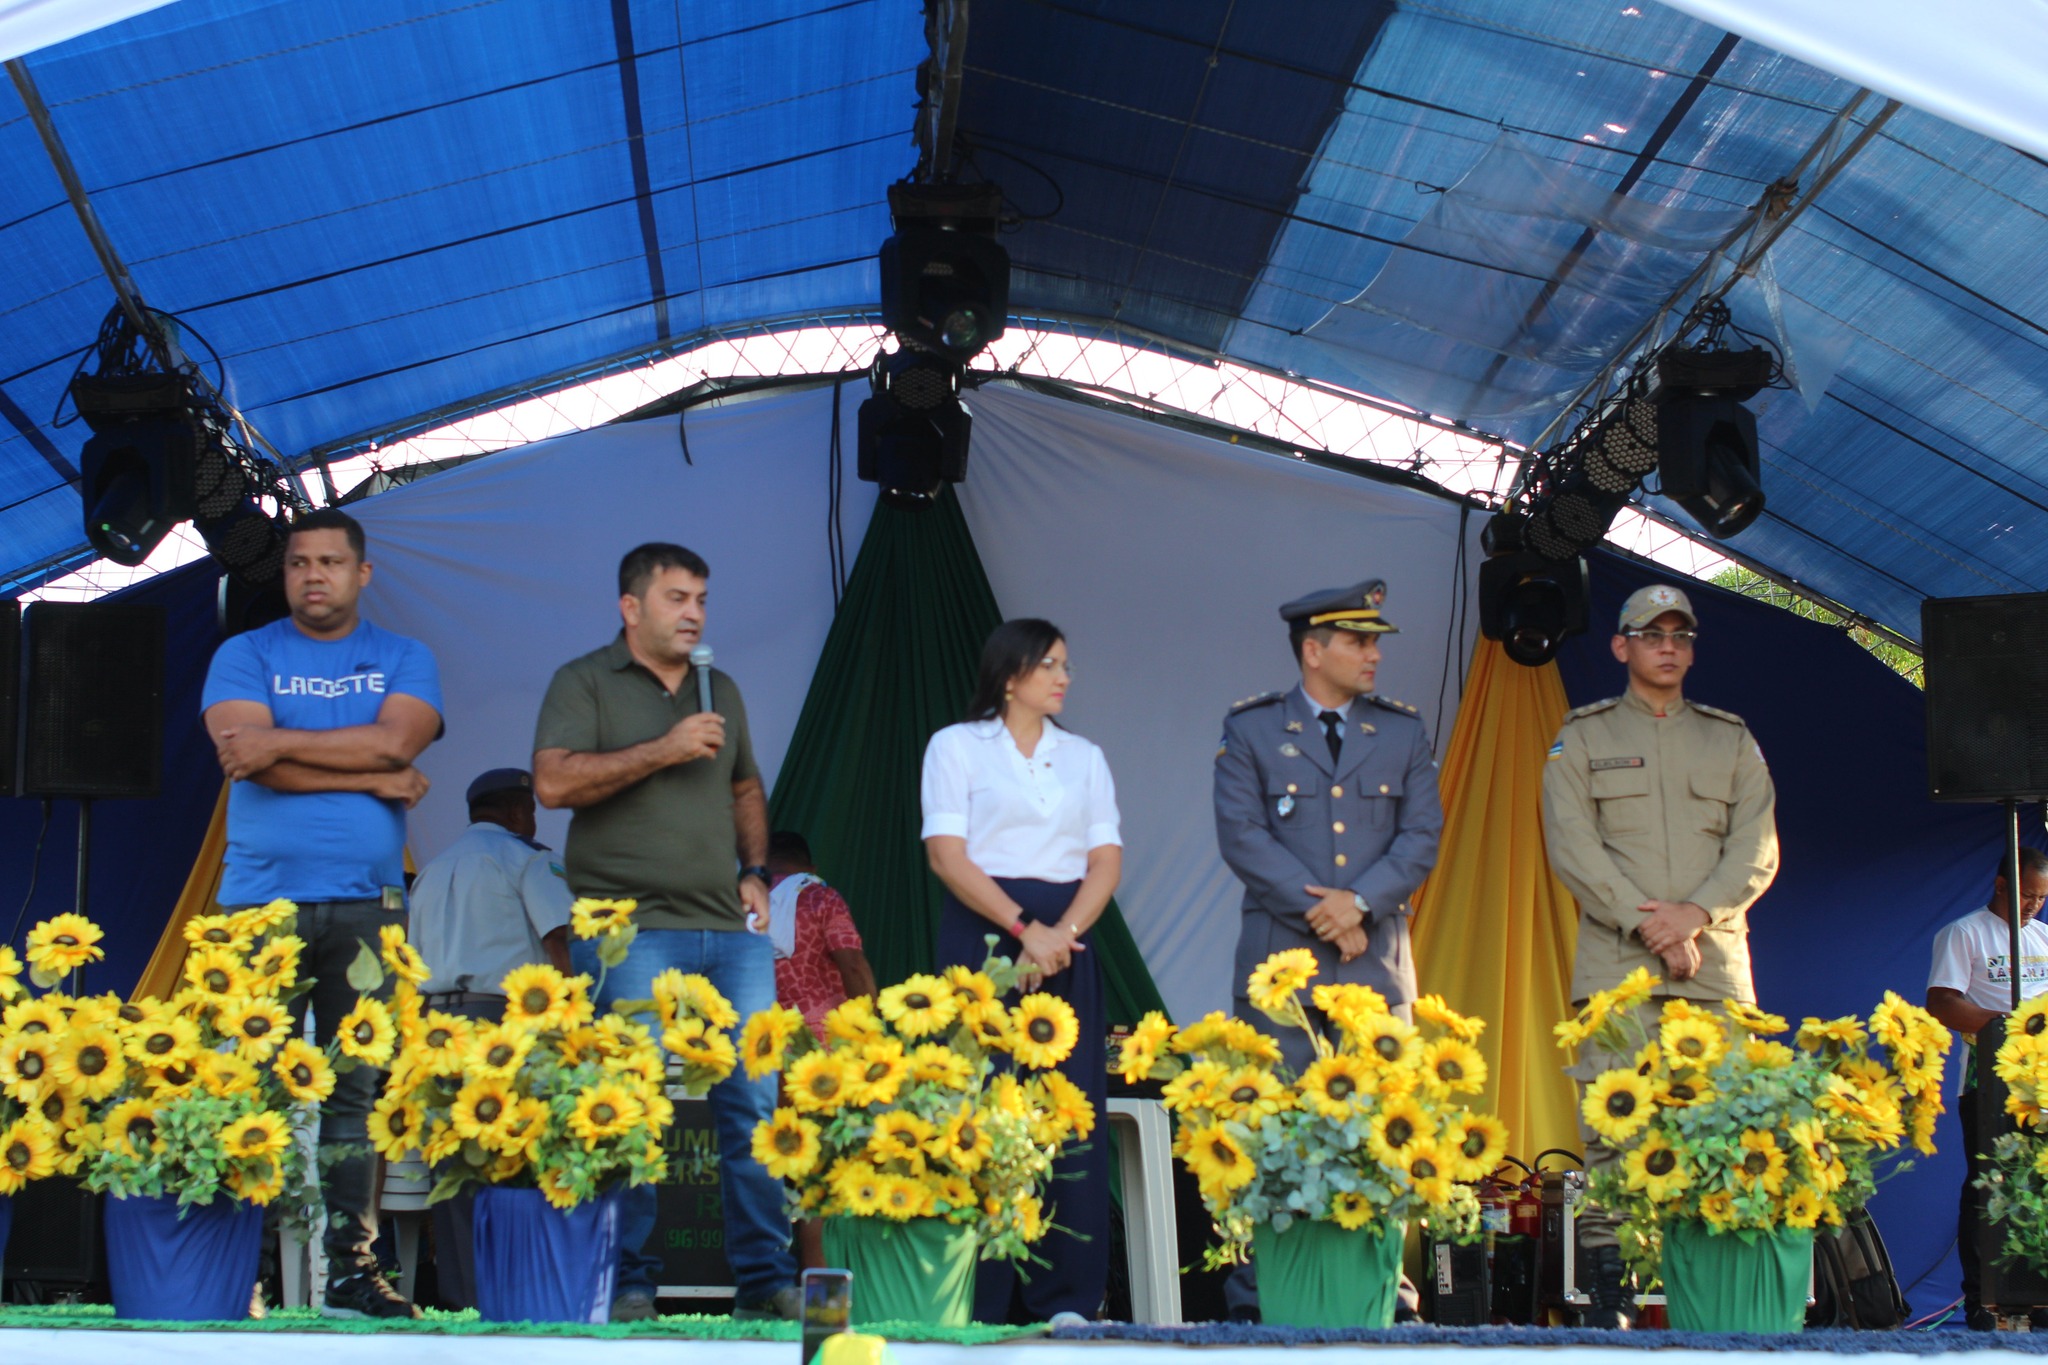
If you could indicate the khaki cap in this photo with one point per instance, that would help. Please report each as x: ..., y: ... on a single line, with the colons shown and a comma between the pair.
x: 1645, y: 605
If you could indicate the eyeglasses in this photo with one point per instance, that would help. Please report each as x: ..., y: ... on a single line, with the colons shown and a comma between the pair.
x: 1653, y: 638
x: 1053, y: 665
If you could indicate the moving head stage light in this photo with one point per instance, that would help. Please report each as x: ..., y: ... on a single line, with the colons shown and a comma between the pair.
x: 945, y: 296
x: 1527, y: 601
x: 164, y: 450
x: 1708, y: 462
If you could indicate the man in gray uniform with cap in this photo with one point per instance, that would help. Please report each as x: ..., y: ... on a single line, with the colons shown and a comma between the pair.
x: 492, y: 902
x: 1327, y: 807
x: 1659, y: 818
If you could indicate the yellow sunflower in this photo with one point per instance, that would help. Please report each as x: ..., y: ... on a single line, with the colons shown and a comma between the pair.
x: 1754, y: 1020
x: 766, y: 1039
x: 173, y: 1078
x: 500, y: 1050
x: 1473, y: 1144
x: 1044, y: 1030
x: 591, y: 917
x: 88, y: 1062
x: 1762, y: 1163
x: 29, y: 1150
x: 939, y: 1064
x: 536, y: 998
x: 482, y: 1108
x: 1684, y: 1089
x: 1692, y: 1042
x: 1454, y: 1066
x: 28, y: 1065
x: 259, y: 1184
x: 216, y: 974
x: 1278, y: 979
x: 226, y: 1073
x: 261, y: 919
x: 556, y: 1187
x: 444, y: 1041
x: 130, y: 1127
x: 1195, y: 1087
x: 920, y: 1007
x: 900, y: 1136
x: 400, y: 958
x: 275, y: 968
x: 859, y: 1187
x: 954, y: 1193
x: 964, y: 1141
x: 1429, y: 1174
x: 1618, y: 1104
x: 10, y: 974
x: 62, y: 944
x: 786, y: 1144
x: 1250, y: 1096
x: 1802, y: 1209
x: 1068, y: 1106
x: 1400, y: 1124
x: 521, y: 1132
x: 680, y: 995
x: 34, y: 1015
x: 1350, y: 1210
x: 603, y: 1110
x: 1140, y: 1051
x: 971, y: 985
x: 257, y: 1025
x: 989, y: 1022
x: 1220, y: 1165
x: 1767, y: 1056
x: 61, y: 1111
x: 879, y: 1071
x: 1815, y: 1034
x: 904, y: 1198
x: 261, y: 1134
x: 366, y: 1033
x: 700, y: 1045
x: 1655, y: 1169
x: 854, y: 1021
x: 819, y: 1082
x: 1718, y: 1210
x: 304, y: 1071
x: 1387, y: 1040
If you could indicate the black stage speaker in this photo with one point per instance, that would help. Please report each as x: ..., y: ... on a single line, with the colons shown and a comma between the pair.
x: 1987, y: 696
x: 10, y: 698
x: 55, y: 1246
x: 95, y: 716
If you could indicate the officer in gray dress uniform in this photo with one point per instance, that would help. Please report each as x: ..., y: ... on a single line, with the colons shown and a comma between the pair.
x: 1327, y: 807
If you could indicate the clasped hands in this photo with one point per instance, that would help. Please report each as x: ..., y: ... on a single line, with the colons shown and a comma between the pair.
x: 1046, y: 950
x: 1669, y: 930
x: 1336, y: 919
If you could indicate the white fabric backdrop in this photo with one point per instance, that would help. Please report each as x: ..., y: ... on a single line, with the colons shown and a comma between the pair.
x: 508, y: 568
x: 1976, y: 63
x: 27, y: 25
x: 1162, y: 554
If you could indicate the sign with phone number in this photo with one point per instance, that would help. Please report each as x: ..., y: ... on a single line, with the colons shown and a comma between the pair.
x: 689, y: 1228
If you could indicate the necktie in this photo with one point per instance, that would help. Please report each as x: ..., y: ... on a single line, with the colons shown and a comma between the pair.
x: 1331, y: 720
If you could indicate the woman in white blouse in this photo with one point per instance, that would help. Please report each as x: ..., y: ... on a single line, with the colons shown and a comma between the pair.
x: 1021, y: 826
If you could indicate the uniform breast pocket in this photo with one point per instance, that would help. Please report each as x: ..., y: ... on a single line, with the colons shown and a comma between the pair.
x: 1623, y: 796
x: 1288, y: 793
x: 1381, y: 792
x: 1711, y: 793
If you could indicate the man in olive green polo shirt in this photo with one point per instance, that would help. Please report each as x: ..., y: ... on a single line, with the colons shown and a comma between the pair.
x: 668, y: 804
x: 1659, y: 817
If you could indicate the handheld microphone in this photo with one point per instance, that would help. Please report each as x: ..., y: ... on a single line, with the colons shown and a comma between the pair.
x: 700, y: 660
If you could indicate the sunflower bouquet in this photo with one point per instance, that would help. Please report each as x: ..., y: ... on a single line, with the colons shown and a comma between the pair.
x: 1718, y: 1123
x: 2017, y: 1182
x: 910, y: 1107
x: 551, y: 1095
x: 193, y: 1096
x: 1374, y: 1132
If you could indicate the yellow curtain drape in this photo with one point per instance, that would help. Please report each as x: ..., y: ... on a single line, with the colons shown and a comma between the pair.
x: 1494, y: 928
x: 160, y: 978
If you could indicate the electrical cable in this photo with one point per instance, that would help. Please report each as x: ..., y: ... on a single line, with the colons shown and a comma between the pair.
x: 835, y: 535
x: 1455, y: 631
x: 35, y: 872
x: 1942, y: 1313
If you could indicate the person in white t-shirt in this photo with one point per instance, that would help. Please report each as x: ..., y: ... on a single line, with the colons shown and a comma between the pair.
x: 1021, y: 827
x: 1969, y: 986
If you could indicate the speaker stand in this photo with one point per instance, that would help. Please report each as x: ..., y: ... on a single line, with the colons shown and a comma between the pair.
x: 80, y: 898
x: 2012, y: 895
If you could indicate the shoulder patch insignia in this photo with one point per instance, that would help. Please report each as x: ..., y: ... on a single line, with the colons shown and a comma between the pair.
x: 1593, y: 709
x: 1398, y: 707
x: 1556, y: 751
x: 1717, y: 713
x: 1263, y: 699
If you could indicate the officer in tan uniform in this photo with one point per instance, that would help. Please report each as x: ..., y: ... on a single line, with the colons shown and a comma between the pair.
x: 1658, y: 816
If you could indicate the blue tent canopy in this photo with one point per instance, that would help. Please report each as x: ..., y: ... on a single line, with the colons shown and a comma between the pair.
x: 376, y: 211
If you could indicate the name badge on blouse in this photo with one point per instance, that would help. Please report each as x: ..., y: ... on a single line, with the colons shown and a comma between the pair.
x: 1284, y: 807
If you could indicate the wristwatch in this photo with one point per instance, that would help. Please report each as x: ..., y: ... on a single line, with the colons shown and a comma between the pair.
x: 1363, y: 908
x: 760, y: 872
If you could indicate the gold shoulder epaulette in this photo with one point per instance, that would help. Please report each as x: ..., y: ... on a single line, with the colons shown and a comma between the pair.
x: 1263, y: 699
x: 1593, y: 709
x: 1717, y: 713
x: 1399, y: 707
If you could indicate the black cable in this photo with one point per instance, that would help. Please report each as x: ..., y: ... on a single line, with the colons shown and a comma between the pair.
x: 35, y: 872
x: 835, y: 539
x: 1455, y: 630
x: 683, y: 434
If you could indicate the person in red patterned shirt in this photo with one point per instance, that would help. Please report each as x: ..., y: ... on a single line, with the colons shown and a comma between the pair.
x: 819, y: 964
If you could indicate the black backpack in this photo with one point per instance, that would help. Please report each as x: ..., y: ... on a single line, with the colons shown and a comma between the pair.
x: 1853, y: 1282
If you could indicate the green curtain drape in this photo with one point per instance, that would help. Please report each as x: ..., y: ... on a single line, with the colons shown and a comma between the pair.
x: 897, y: 666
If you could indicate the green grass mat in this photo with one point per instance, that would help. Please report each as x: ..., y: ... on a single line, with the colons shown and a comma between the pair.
x: 680, y: 1327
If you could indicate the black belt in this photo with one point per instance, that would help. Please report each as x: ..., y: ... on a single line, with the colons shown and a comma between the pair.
x: 464, y: 998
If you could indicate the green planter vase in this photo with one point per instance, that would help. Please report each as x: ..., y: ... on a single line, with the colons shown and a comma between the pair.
x: 919, y: 1271
x: 1317, y: 1274
x: 1736, y: 1281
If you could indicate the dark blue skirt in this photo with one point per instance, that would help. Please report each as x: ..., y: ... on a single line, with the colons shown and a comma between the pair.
x: 1078, y: 1199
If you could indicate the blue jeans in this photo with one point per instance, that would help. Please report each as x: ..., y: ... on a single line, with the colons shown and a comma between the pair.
x: 742, y: 966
